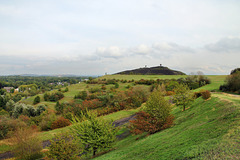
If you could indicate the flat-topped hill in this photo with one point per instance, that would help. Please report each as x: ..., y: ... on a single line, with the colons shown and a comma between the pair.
x: 158, y: 70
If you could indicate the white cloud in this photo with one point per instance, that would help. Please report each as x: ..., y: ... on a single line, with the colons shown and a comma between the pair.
x: 225, y: 45
x: 110, y: 52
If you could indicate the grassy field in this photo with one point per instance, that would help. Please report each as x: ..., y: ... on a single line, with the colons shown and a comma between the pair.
x: 208, y: 130
x: 216, y: 81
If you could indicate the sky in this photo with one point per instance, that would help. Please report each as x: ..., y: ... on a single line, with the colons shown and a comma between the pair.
x: 94, y: 37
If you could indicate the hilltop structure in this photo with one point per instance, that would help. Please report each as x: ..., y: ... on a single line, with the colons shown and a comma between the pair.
x: 158, y: 70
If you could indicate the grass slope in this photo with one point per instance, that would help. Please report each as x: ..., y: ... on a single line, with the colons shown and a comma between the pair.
x: 208, y: 130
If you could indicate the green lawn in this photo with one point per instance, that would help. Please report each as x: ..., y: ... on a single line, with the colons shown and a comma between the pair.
x: 208, y: 130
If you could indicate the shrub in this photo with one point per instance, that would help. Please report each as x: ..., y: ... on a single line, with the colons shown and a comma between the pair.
x: 157, y: 106
x: 46, y: 120
x: 27, y: 145
x: 137, y: 96
x: 95, y: 133
x: 206, y: 94
x: 66, y: 89
x: 36, y: 100
x: 91, y: 104
x: 82, y: 95
x: 53, y: 97
x: 116, y: 85
x: 144, y: 122
x: 63, y: 146
x: 155, y: 115
x: 60, y: 122
x: 232, y: 82
x: 8, y: 126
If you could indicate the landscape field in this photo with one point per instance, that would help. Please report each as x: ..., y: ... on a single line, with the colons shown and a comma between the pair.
x: 209, y: 129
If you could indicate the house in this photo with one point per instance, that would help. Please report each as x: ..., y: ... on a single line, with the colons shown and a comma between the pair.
x: 8, y: 89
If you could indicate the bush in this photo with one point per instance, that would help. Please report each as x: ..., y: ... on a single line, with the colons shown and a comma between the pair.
x: 137, y: 96
x: 144, y: 122
x: 232, y: 82
x: 46, y: 120
x: 95, y: 133
x: 155, y: 115
x: 36, y: 100
x: 206, y: 94
x: 63, y: 146
x: 60, y: 122
x: 82, y: 95
x: 53, y: 97
x: 27, y: 145
x: 157, y: 106
x: 8, y: 126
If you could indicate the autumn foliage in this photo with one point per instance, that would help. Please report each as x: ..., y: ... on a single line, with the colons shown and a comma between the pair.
x: 60, y: 122
x: 144, y: 122
x: 206, y: 94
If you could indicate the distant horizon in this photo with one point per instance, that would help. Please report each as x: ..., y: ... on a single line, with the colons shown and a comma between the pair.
x: 95, y: 37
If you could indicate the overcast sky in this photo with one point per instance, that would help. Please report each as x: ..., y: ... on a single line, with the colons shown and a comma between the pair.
x: 92, y: 37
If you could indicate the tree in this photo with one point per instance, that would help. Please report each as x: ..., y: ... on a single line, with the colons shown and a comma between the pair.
x: 36, y: 100
x: 95, y: 133
x: 155, y: 115
x: 157, y: 106
x: 184, y: 96
x: 232, y: 82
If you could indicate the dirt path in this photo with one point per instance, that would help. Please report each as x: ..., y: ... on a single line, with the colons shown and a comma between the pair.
x: 46, y: 143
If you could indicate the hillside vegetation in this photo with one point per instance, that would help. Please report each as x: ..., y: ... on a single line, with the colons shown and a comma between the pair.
x: 208, y: 130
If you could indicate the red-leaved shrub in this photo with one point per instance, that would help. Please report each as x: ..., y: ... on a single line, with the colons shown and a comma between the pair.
x: 60, y: 122
x: 206, y: 94
x: 144, y: 122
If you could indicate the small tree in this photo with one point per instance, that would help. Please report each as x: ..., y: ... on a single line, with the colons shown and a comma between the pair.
x: 184, y: 96
x: 36, y: 100
x: 95, y: 133
x: 155, y: 115
x: 63, y: 146
x: 157, y: 106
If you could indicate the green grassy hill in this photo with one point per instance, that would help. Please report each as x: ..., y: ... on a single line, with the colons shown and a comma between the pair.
x: 208, y: 130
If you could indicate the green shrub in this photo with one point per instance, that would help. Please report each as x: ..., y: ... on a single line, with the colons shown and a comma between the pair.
x: 157, y: 106
x: 64, y: 147
x: 232, y: 82
x: 95, y: 133
x: 36, y: 100
x: 27, y: 145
